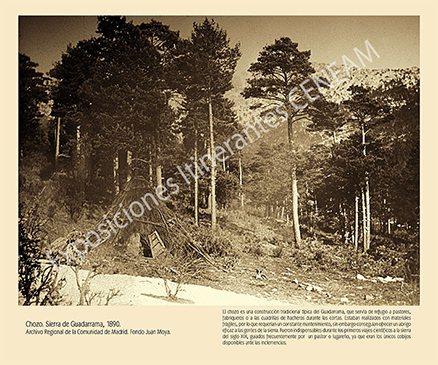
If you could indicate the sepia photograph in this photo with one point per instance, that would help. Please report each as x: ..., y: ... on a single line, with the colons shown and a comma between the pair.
x: 218, y: 160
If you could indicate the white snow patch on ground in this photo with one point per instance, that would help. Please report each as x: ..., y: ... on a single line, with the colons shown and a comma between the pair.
x: 138, y: 291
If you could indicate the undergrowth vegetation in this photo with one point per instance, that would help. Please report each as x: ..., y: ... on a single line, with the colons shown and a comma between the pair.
x: 38, y: 283
x: 381, y: 261
x: 396, y: 255
x: 241, y: 237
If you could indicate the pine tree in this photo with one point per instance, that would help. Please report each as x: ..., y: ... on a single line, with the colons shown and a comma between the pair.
x: 366, y: 113
x: 32, y: 94
x: 207, y: 69
x: 113, y: 98
x: 279, y: 69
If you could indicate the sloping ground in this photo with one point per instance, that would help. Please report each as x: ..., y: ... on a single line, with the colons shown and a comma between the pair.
x: 309, y: 285
x: 318, y: 273
x: 281, y: 285
x: 309, y: 276
x: 150, y: 291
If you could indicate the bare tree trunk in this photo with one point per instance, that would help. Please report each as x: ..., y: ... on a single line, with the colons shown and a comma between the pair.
x: 159, y: 177
x: 196, y: 180
x: 356, y: 223
x: 116, y: 172
x: 367, y: 202
x: 295, y: 209
x: 345, y: 223
x: 213, y: 167
x: 295, y: 218
x: 58, y: 131
x: 151, y: 166
x: 366, y: 199
x: 78, y: 141
x: 122, y: 171
x: 241, y: 182
x: 159, y: 168
x: 129, y: 165
x: 341, y: 221
x: 364, y: 222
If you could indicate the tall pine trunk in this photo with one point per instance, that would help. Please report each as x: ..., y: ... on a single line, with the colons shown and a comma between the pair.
x: 364, y: 222
x: 344, y: 222
x: 367, y: 202
x: 294, y: 183
x: 366, y: 199
x: 58, y: 132
x: 129, y: 158
x: 159, y: 177
x: 122, y: 169
x: 295, y: 218
x: 213, y: 166
x: 115, y: 173
x: 151, y: 166
x: 159, y: 168
x: 196, y: 179
x: 356, y: 223
x: 241, y: 182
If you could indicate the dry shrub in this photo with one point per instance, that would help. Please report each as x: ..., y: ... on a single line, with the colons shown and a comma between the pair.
x: 219, y: 243
x: 254, y: 249
x: 176, y: 270
x: 86, y: 296
x: 380, y: 261
x: 38, y: 283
